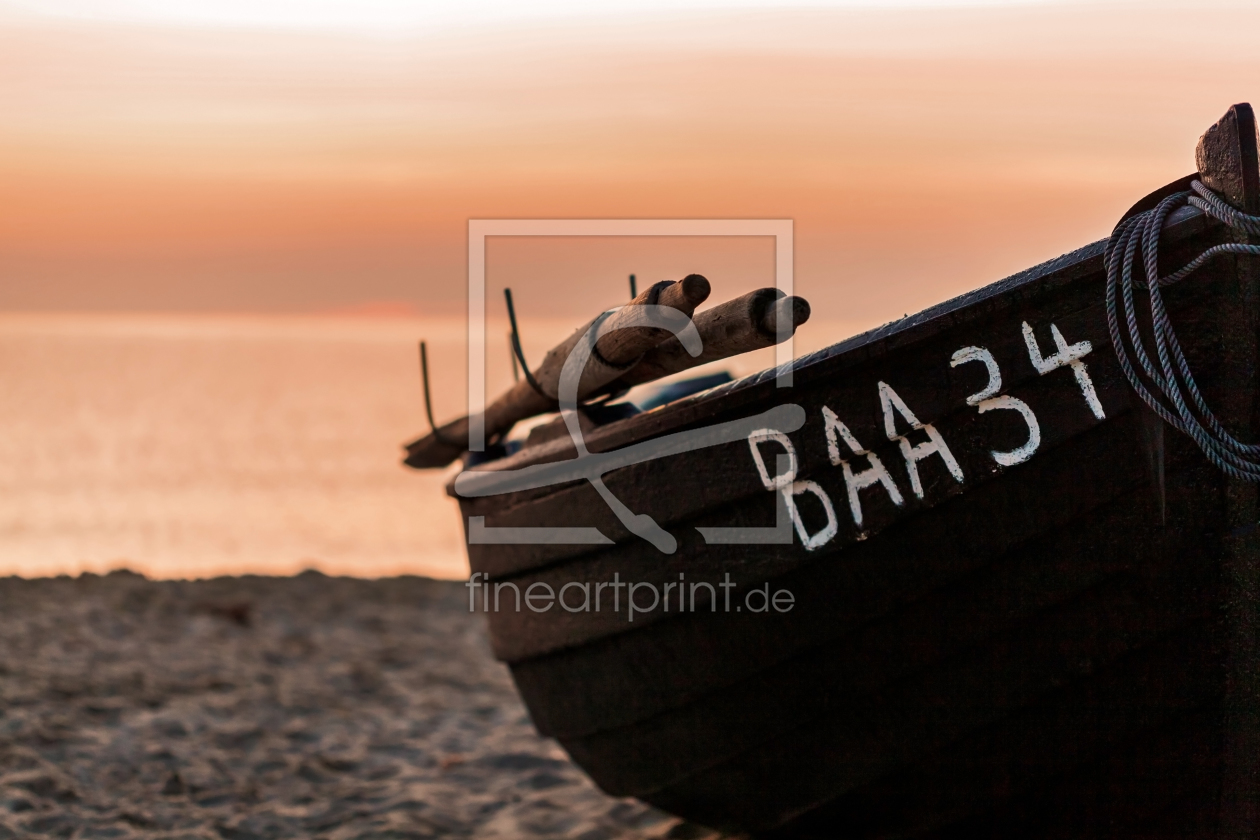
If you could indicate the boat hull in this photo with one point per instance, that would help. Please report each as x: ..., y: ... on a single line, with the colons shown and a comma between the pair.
x: 1027, y: 625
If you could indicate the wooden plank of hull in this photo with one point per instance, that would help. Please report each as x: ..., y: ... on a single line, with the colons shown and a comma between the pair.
x: 520, y: 634
x: 632, y: 676
x: 1017, y: 589
x: 1071, y: 729
x: 1132, y: 598
x: 1156, y: 781
x: 1171, y: 789
x: 981, y: 626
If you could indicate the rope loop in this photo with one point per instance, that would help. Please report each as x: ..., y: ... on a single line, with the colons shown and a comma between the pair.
x: 1215, y: 206
x: 1168, y: 387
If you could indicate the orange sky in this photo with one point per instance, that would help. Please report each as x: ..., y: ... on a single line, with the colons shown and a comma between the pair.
x: 921, y: 152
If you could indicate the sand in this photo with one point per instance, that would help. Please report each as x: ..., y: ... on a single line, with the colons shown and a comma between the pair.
x: 243, y: 708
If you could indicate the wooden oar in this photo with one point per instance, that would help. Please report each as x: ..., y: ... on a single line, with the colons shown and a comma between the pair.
x: 620, y: 348
x: 746, y: 323
x: 616, y: 352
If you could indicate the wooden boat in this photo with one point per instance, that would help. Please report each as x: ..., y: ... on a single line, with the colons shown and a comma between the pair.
x: 1019, y: 605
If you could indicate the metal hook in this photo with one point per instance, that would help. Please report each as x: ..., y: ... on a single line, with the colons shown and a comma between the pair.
x: 516, y: 346
x: 516, y: 369
x: 428, y: 405
x: 634, y: 288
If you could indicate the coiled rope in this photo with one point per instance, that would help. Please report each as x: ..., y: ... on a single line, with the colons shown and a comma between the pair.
x: 1172, y: 380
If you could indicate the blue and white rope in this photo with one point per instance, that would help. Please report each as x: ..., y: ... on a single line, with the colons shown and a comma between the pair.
x: 1172, y: 392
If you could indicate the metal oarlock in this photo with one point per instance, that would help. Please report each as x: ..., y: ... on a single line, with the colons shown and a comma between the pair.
x: 516, y: 346
x: 516, y: 368
x: 428, y: 405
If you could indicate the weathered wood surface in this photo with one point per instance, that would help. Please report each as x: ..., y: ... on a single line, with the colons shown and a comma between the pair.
x: 620, y: 346
x: 746, y: 323
x: 1023, y: 596
x: 1100, y: 627
x: 1087, y: 593
x: 631, y: 676
x: 1226, y: 156
x: 1085, y: 727
x: 1080, y: 595
x: 1229, y: 158
x: 621, y: 343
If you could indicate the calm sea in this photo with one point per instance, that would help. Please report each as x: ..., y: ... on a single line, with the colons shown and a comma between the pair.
x: 185, y: 446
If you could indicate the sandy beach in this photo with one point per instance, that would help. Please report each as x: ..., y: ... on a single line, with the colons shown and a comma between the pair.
x: 242, y: 708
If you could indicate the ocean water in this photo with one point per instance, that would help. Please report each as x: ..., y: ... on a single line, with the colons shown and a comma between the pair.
x: 185, y: 446
x: 194, y: 446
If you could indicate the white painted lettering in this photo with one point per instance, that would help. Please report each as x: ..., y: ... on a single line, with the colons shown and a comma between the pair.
x: 934, y: 445
x: 824, y: 536
x: 985, y: 400
x: 1067, y: 355
x: 875, y: 473
x: 980, y: 354
x: 780, y: 479
x: 785, y: 482
x: 1023, y: 453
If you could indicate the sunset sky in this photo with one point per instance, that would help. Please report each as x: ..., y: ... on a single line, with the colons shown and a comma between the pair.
x: 296, y: 157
